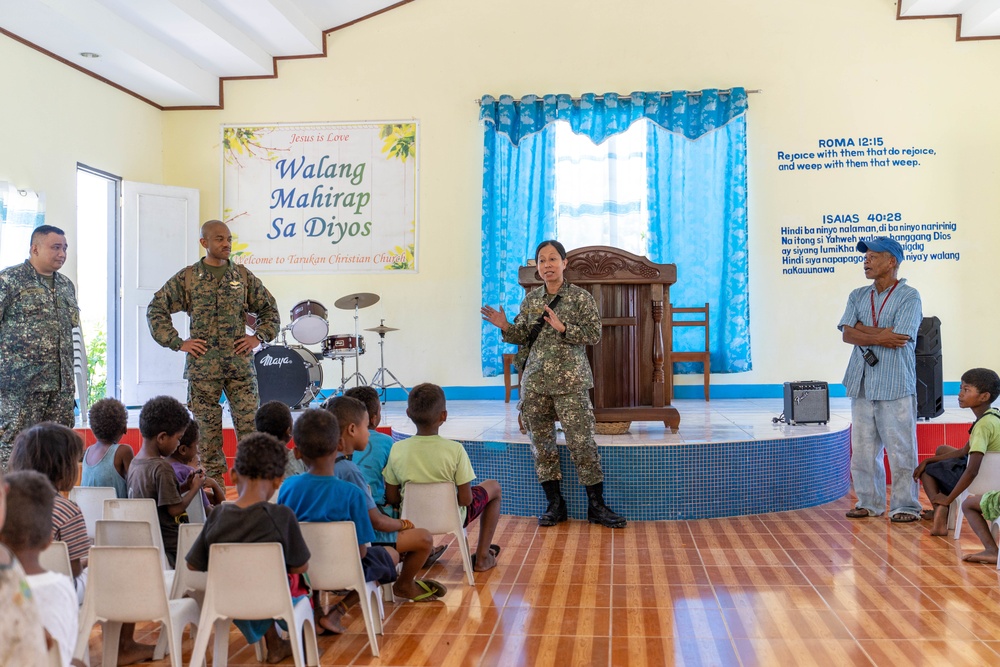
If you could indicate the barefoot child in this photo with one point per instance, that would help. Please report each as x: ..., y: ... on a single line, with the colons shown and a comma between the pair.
x: 427, y: 458
x: 414, y: 545
x: 257, y: 473
x: 950, y: 471
x: 105, y: 463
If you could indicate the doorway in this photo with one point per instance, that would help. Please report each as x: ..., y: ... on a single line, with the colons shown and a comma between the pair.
x: 98, y: 225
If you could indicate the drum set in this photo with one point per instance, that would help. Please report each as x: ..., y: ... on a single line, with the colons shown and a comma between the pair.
x: 293, y: 374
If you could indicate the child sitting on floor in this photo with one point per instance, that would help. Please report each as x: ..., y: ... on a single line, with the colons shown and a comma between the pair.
x: 257, y: 473
x: 28, y: 532
x: 105, y: 463
x: 185, y: 461
x: 55, y: 450
x: 427, y: 458
x: 22, y: 637
x: 950, y: 471
x: 162, y: 422
x: 413, y: 544
x: 319, y: 496
x: 274, y: 418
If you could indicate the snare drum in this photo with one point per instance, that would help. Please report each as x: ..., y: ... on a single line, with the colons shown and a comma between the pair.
x: 291, y: 375
x: 343, y: 345
x: 308, y: 322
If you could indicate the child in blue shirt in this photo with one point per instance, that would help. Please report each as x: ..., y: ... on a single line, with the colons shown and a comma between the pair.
x: 105, y: 463
x: 318, y: 496
x: 372, y: 459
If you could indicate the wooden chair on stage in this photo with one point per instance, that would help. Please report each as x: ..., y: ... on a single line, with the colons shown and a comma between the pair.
x: 630, y: 377
x: 704, y: 357
x: 508, y: 369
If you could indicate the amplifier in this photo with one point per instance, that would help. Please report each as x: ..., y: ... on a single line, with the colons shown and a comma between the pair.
x: 807, y: 402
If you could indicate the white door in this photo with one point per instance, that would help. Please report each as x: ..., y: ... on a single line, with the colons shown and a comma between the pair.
x: 159, y: 237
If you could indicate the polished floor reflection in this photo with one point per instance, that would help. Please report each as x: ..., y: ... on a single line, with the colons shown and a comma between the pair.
x: 808, y: 587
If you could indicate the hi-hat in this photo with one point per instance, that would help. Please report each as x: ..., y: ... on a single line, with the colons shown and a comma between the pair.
x: 381, y: 329
x: 361, y: 300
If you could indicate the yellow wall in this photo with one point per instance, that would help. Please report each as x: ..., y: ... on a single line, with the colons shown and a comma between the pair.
x: 53, y: 117
x: 827, y: 70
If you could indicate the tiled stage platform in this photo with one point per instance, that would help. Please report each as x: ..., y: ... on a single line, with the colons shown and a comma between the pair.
x: 727, y: 459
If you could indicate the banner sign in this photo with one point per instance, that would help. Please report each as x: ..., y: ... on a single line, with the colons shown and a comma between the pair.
x: 321, y: 198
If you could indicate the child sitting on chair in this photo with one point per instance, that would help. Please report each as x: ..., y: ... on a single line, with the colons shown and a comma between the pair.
x: 319, y: 496
x: 950, y: 471
x: 414, y: 545
x: 274, y: 418
x: 55, y: 450
x: 22, y: 637
x: 28, y: 532
x: 372, y: 459
x: 427, y: 458
x: 185, y: 461
x: 257, y: 473
x: 162, y: 422
x: 105, y: 463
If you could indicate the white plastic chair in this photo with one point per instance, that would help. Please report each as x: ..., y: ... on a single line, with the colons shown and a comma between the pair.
x: 988, y: 479
x: 227, y: 596
x: 187, y: 582
x: 138, y: 509
x: 55, y: 558
x: 196, y: 510
x: 91, y: 499
x: 123, y: 534
x: 144, y: 598
x: 335, y: 565
x: 435, y: 507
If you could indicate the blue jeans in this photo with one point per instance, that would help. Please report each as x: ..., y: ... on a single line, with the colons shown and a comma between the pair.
x: 889, y: 426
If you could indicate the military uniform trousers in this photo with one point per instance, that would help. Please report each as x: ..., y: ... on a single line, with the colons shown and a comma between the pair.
x: 19, y: 411
x: 576, y: 414
x: 203, y: 401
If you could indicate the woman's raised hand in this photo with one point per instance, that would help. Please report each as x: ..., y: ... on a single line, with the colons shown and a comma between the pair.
x: 495, y: 317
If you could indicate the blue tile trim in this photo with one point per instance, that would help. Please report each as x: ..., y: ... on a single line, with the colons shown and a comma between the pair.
x: 681, y: 481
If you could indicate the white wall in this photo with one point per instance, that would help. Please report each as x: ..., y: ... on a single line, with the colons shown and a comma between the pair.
x: 844, y: 69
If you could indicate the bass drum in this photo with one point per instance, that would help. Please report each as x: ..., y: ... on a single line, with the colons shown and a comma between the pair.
x: 291, y: 375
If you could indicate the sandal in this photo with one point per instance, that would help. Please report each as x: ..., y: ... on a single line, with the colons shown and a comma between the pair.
x: 858, y: 513
x: 434, y: 556
x: 432, y: 590
x: 494, y: 549
x: 904, y: 518
x: 927, y: 515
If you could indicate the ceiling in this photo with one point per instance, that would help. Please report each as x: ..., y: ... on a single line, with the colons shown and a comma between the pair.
x: 174, y: 54
x: 976, y: 19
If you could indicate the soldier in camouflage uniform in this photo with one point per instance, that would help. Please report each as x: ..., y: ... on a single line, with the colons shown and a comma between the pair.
x: 38, y: 311
x: 216, y: 293
x: 555, y: 381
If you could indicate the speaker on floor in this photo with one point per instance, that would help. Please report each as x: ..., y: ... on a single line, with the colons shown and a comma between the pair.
x: 807, y: 402
x: 928, y: 337
x: 930, y: 386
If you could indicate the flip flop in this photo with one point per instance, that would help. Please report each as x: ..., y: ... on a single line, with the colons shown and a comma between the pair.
x: 858, y: 513
x: 904, y: 518
x: 927, y: 515
x: 434, y: 556
x: 494, y: 549
x: 432, y: 590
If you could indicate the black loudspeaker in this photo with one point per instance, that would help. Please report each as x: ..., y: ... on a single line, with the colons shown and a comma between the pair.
x: 930, y: 377
x: 807, y: 402
x: 928, y: 337
x: 930, y: 386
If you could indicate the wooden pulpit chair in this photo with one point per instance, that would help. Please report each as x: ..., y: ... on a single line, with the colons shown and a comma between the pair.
x: 700, y: 356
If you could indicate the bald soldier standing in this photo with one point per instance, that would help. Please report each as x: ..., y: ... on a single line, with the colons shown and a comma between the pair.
x: 216, y: 293
x: 38, y: 311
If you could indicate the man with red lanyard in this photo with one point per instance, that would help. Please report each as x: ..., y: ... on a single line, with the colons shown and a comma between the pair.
x: 881, y: 322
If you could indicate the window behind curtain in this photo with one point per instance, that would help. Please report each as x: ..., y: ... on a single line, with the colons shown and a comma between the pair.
x: 600, y: 190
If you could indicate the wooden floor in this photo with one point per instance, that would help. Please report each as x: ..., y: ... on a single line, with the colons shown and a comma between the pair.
x: 799, y: 588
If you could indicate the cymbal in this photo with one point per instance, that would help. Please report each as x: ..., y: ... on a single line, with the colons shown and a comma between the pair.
x: 381, y: 329
x: 362, y: 299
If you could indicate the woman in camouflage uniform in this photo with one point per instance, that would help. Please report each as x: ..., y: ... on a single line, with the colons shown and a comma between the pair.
x: 556, y: 323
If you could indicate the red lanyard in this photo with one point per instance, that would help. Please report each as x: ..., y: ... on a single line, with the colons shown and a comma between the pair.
x: 872, y: 295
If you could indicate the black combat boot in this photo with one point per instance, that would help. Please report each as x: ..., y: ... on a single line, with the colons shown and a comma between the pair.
x: 556, y: 511
x: 598, y: 512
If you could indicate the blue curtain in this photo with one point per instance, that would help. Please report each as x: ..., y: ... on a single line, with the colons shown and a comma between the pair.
x: 697, y: 198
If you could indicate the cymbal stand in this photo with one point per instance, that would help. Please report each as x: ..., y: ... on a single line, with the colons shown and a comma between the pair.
x: 378, y: 380
x: 358, y: 378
